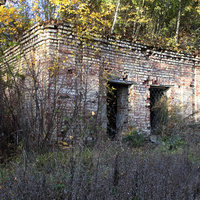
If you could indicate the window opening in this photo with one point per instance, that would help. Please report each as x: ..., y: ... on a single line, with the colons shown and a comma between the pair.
x: 158, y: 108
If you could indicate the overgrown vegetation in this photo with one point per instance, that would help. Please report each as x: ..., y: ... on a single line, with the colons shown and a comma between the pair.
x: 108, y: 170
x: 133, y: 168
x: 133, y: 138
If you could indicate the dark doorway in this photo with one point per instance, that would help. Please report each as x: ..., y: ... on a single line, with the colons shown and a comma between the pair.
x: 117, y: 108
x: 111, y: 110
x: 159, y: 108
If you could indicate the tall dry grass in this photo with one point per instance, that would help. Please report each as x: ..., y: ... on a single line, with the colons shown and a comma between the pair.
x: 108, y: 170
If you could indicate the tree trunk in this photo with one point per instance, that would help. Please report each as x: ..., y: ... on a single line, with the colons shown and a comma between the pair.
x: 115, y: 18
x: 178, y: 23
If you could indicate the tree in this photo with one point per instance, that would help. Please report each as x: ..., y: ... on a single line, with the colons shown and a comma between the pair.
x: 178, y: 23
x: 115, y: 18
x: 156, y: 23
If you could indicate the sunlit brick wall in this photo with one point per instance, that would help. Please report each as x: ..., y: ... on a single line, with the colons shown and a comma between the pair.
x: 84, y: 66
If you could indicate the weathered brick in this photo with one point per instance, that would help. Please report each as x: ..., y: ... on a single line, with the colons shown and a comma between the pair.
x: 123, y: 62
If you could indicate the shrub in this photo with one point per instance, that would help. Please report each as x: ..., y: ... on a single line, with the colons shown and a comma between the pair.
x: 172, y: 142
x: 134, y: 139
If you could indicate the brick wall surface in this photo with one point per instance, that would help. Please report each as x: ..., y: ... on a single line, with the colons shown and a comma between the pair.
x: 84, y: 66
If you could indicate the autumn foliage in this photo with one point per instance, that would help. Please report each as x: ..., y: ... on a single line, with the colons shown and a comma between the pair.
x: 167, y: 24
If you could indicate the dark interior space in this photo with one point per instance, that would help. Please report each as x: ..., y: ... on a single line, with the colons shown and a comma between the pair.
x: 159, y: 109
x: 117, y: 107
x: 111, y: 110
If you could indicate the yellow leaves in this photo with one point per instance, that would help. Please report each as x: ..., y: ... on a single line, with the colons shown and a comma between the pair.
x: 35, y: 6
x: 96, y: 51
x: 10, y: 20
x: 56, y: 2
x: 188, y: 8
x: 71, y: 137
x: 11, y: 10
x: 143, y: 20
x: 123, y: 8
x: 198, y: 9
x: 38, y: 18
x: 37, y: 11
x: 94, y: 15
x: 63, y: 145
x: 86, y: 21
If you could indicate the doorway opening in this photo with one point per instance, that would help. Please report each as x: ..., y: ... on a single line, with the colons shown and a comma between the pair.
x: 158, y: 108
x: 117, y: 108
x: 111, y: 110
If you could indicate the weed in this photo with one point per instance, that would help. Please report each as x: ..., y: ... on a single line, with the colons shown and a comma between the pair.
x: 105, y: 171
x: 134, y: 139
x: 173, y: 142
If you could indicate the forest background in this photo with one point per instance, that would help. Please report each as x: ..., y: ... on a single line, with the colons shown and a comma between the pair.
x: 172, y: 24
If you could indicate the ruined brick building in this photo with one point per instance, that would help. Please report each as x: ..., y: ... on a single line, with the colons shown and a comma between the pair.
x: 89, y: 68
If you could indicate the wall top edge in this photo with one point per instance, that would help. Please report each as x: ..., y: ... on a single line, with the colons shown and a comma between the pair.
x: 134, y: 46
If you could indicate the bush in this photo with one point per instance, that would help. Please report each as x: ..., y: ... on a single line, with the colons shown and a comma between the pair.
x: 134, y: 139
x: 173, y: 142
